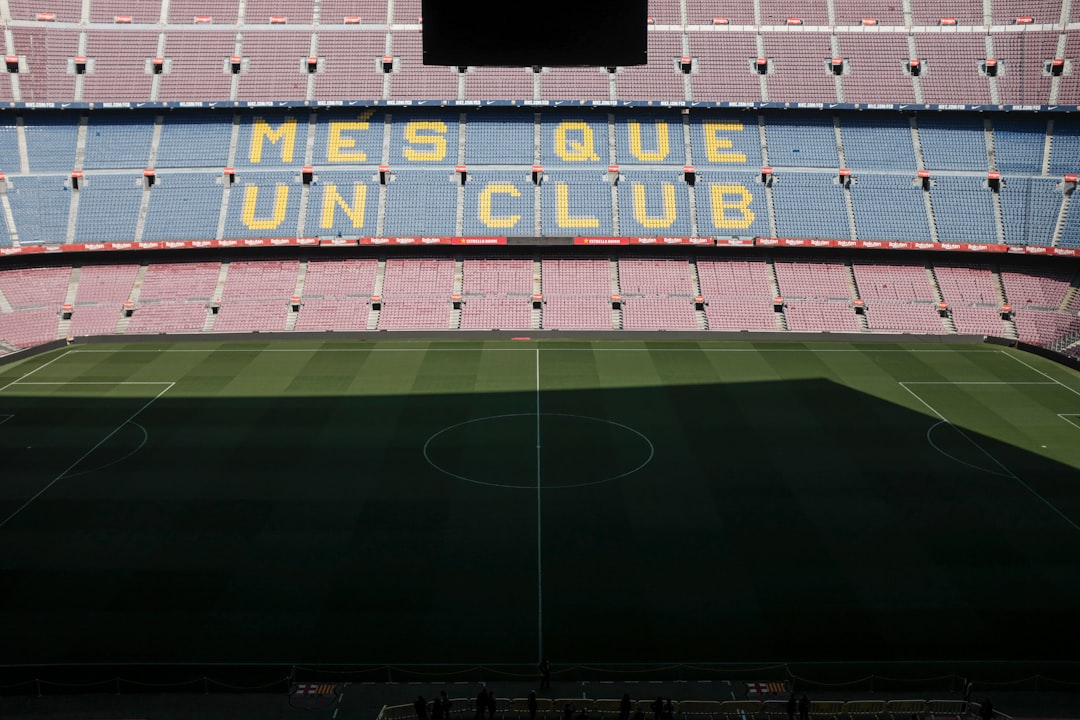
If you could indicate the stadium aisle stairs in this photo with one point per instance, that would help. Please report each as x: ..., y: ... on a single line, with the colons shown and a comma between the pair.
x: 380, y: 275
x: 695, y: 282
x: 991, y: 161
x: 616, y: 289
x: 861, y: 317
x: 538, y: 287
x: 9, y: 220
x: 144, y: 201
x: 80, y: 156
x: 223, y: 214
x: 459, y: 281
x: 208, y: 324
x: 1010, y: 324
x: 5, y: 305
x: 1066, y: 302
x: 920, y: 164
x: 133, y: 298
x: 298, y: 291
x: 64, y: 326
x: 1059, y: 226
x: 946, y: 320
x: 774, y: 284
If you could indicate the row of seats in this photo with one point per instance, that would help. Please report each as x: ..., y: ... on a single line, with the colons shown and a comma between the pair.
x: 379, y: 12
x: 709, y: 709
x: 657, y: 293
x: 192, y: 206
x: 1047, y: 146
x: 121, y: 63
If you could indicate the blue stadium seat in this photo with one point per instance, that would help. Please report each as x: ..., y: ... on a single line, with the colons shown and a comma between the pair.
x: 116, y: 141
x: 499, y: 138
x: 40, y: 206
x: 1065, y: 146
x: 1018, y: 144
x: 51, y: 140
x: 423, y: 138
x: 183, y: 206
x: 421, y: 202
x: 649, y: 140
x: 493, y: 208
x: 253, y: 204
x: 575, y: 203
x: 810, y: 205
x: 889, y: 207
x: 272, y: 139
x: 342, y: 202
x: 1070, y: 233
x: 963, y: 210
x: 878, y: 142
x: 1029, y: 208
x: 573, y: 140
x: 109, y: 208
x: 808, y: 141
x: 9, y: 146
x: 348, y: 138
x: 953, y: 142
x: 731, y: 203
x: 654, y: 204
x: 191, y: 140
x: 725, y: 141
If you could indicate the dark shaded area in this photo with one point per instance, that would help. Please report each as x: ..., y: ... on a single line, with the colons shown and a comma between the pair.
x: 311, y: 531
x: 550, y: 33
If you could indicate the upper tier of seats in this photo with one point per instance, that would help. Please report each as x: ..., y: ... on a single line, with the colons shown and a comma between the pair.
x: 1000, y: 179
x: 272, y: 50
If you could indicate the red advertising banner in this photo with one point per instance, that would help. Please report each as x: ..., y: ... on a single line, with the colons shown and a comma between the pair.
x: 478, y: 241
x: 601, y: 241
x: 670, y: 241
x: 881, y: 244
x: 735, y: 242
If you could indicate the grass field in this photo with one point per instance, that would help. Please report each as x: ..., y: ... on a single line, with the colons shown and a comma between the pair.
x: 488, y: 502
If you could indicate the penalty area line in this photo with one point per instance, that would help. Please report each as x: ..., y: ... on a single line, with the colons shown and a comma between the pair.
x: 984, y: 451
x: 88, y: 453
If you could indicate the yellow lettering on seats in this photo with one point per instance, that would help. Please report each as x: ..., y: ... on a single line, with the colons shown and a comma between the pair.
x: 416, y: 133
x: 662, y: 147
x: 575, y: 150
x: 562, y: 210
x: 720, y: 209
x: 281, y: 203
x: 284, y: 133
x: 641, y: 213
x: 484, y: 211
x: 332, y: 200
x: 338, y: 143
x: 714, y: 143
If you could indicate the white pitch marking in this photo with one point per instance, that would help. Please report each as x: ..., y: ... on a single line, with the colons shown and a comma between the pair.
x: 1012, y: 475
x: 39, y: 367
x: 975, y: 382
x: 1055, y: 381
x: 1066, y: 416
x: 111, y: 382
x: 5, y: 418
x: 87, y: 454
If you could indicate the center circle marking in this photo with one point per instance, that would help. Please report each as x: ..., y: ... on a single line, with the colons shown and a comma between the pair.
x: 544, y: 486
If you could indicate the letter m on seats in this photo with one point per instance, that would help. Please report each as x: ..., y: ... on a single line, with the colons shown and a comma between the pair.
x: 285, y: 134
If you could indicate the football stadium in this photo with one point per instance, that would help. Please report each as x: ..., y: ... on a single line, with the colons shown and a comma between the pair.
x: 759, y: 361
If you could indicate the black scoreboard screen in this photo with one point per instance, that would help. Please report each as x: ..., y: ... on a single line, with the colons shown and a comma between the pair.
x: 551, y: 33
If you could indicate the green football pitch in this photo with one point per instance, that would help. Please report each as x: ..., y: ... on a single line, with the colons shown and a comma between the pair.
x: 486, y: 503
